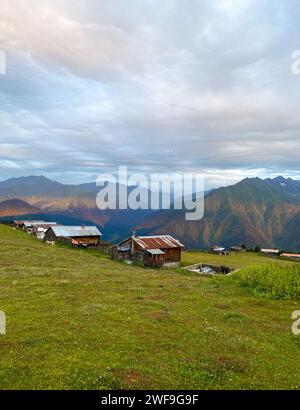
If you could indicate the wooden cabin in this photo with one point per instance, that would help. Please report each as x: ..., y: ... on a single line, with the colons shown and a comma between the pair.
x: 27, y: 225
x: 294, y: 256
x: 237, y: 249
x: 17, y: 224
x: 152, y: 251
x: 219, y: 250
x: 270, y: 252
x: 39, y: 230
x: 87, y: 236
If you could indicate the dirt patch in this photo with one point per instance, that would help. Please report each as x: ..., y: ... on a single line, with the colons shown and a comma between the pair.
x: 222, y: 306
x: 225, y: 363
x: 158, y: 315
x: 257, y: 303
x: 129, y: 378
x: 154, y: 298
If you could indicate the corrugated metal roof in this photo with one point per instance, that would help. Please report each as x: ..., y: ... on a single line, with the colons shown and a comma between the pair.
x: 44, y: 225
x: 218, y: 249
x: 157, y: 242
x: 28, y: 224
x: 71, y: 231
x: 155, y: 252
x: 291, y: 255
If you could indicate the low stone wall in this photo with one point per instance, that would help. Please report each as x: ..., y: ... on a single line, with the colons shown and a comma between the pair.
x: 218, y: 269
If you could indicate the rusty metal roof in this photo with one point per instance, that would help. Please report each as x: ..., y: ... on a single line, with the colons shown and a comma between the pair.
x: 157, y: 242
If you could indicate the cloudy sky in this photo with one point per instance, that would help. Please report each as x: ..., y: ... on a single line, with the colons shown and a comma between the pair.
x: 161, y: 86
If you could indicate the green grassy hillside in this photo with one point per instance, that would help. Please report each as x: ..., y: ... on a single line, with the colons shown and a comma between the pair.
x: 76, y: 320
x: 234, y: 260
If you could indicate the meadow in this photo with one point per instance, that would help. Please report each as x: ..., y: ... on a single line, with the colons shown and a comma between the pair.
x: 77, y: 320
x: 276, y: 282
x: 234, y: 260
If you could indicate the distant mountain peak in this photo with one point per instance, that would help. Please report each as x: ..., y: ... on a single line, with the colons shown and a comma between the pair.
x: 34, y: 185
x: 37, y: 179
x: 16, y: 206
x: 280, y: 179
x: 40, y: 179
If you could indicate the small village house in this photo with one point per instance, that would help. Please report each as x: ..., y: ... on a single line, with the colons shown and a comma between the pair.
x: 152, y: 251
x: 294, y: 256
x: 237, y: 249
x: 26, y: 225
x: 270, y: 252
x: 87, y: 236
x: 219, y: 250
x: 31, y: 227
x: 39, y: 230
x: 17, y: 224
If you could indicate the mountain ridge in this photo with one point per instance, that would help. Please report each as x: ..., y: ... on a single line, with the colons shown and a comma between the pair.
x: 16, y: 206
x: 255, y: 211
x: 252, y: 212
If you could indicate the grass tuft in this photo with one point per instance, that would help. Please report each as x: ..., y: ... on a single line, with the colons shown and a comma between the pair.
x: 272, y: 281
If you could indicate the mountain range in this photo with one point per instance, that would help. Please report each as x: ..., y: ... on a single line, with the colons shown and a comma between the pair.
x: 69, y: 204
x: 252, y: 212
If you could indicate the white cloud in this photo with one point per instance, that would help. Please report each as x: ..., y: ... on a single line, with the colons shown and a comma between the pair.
x: 185, y: 85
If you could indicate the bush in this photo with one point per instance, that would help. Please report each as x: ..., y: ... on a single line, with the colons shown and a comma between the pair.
x: 276, y: 282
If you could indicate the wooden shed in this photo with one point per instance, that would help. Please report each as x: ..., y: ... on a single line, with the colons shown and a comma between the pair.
x: 294, y: 256
x: 74, y: 235
x: 27, y: 225
x: 39, y: 230
x: 237, y: 249
x: 153, y: 251
x: 270, y: 252
x: 18, y: 224
x: 219, y: 250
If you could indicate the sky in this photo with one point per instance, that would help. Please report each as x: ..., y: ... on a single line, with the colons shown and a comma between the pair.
x: 160, y: 86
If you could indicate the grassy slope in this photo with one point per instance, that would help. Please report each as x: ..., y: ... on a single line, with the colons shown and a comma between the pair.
x: 234, y: 260
x: 271, y: 281
x: 77, y: 320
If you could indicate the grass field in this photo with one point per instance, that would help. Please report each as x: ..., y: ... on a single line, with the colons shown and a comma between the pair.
x: 234, y: 260
x: 276, y: 282
x: 76, y: 320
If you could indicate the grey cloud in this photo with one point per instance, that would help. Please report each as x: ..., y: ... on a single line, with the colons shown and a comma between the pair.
x: 175, y: 85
